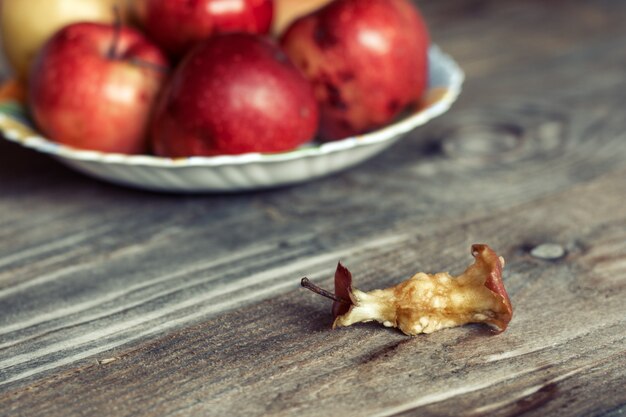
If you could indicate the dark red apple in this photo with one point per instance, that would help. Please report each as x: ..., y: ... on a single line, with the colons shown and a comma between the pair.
x: 176, y: 25
x: 367, y: 60
x: 234, y: 94
x: 93, y: 86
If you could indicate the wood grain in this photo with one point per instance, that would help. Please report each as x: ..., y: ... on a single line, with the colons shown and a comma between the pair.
x: 119, y: 302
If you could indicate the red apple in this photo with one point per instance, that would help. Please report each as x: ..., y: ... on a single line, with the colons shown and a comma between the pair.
x: 233, y: 94
x: 367, y: 60
x: 176, y: 25
x: 93, y: 86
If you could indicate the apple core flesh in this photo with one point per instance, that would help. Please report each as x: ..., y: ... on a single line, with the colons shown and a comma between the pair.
x: 234, y: 94
x: 367, y: 60
x: 81, y: 96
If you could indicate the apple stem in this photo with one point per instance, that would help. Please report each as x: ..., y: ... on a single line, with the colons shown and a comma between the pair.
x: 318, y: 290
x: 150, y: 65
x: 116, y: 32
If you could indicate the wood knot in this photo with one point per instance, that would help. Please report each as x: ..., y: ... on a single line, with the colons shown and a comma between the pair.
x: 548, y: 251
x: 505, y: 135
x: 483, y: 142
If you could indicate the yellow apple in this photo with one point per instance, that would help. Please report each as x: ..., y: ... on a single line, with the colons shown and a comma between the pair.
x: 27, y: 24
x: 289, y: 10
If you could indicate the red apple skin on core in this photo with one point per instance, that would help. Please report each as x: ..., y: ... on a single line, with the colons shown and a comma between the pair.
x: 367, y: 60
x: 176, y: 25
x: 79, y: 96
x: 234, y: 94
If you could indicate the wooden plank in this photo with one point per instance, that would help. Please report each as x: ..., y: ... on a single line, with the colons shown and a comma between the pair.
x: 279, y: 357
x: 119, y: 302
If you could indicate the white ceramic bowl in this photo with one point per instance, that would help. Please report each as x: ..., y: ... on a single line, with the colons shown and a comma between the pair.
x: 248, y: 171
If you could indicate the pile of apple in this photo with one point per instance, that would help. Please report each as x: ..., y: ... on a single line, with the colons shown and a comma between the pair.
x: 204, y: 77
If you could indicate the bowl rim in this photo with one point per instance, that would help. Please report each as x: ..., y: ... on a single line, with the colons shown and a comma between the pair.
x: 453, y: 89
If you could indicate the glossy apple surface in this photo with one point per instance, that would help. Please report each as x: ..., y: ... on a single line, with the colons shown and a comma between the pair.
x: 87, y: 94
x: 367, y: 60
x: 27, y: 24
x: 176, y: 25
x: 234, y: 94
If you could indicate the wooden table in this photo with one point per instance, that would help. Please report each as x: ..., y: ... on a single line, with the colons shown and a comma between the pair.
x: 117, y: 302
